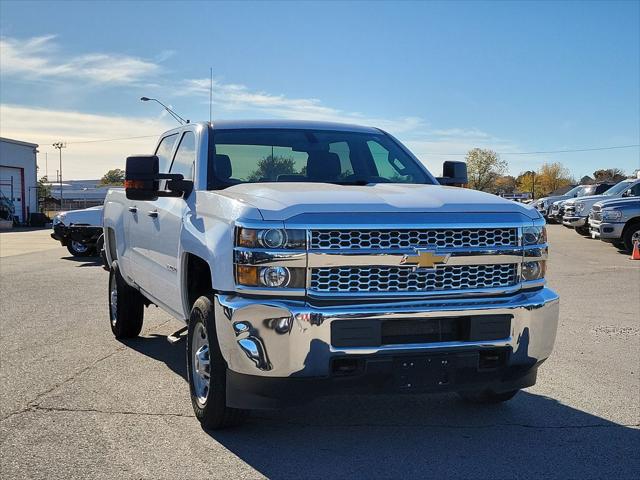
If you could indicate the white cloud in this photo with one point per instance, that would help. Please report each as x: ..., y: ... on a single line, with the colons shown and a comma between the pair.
x: 80, y: 160
x: 236, y: 98
x: 38, y: 58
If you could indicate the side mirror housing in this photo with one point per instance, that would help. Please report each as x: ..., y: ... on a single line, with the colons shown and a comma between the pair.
x: 454, y: 174
x: 142, y: 180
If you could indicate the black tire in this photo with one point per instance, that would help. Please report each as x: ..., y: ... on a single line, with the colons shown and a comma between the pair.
x: 101, y: 252
x: 210, y: 408
x: 628, y: 234
x: 78, y: 249
x: 584, y: 231
x: 127, y: 314
x: 487, y: 397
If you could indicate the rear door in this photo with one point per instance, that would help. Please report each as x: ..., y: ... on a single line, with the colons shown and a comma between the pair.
x: 164, y: 249
x: 142, y: 224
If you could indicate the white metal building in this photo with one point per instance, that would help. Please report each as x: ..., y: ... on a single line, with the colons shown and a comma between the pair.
x: 18, y: 176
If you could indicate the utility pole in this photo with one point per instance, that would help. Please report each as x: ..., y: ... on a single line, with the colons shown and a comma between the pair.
x: 60, y: 146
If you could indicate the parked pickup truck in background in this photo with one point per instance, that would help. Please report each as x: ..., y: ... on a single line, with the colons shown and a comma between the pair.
x: 616, y: 221
x: 311, y: 258
x: 576, y: 211
x: 79, y: 230
x: 544, y: 205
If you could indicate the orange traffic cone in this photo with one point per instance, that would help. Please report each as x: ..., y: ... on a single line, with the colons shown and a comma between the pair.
x: 635, y: 254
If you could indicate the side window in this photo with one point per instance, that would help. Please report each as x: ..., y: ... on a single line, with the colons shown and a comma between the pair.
x: 163, y: 152
x: 185, y: 156
x: 634, y: 191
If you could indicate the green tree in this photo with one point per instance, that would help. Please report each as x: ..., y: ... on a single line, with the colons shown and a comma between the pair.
x: 113, y: 177
x: 483, y: 168
x: 504, y: 184
x: 270, y: 167
x: 44, y: 188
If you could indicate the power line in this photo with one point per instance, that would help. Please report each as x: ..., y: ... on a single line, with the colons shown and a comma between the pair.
x: 592, y: 149
x: 112, y: 139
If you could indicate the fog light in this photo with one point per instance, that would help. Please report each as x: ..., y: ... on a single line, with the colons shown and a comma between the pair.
x: 533, y: 270
x: 274, y: 276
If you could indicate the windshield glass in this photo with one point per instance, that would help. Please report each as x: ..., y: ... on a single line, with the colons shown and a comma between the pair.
x: 278, y: 155
x: 618, y: 188
x: 575, y: 191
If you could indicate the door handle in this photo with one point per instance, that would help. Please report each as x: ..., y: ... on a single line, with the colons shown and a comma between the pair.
x: 153, y: 213
x: 133, y: 209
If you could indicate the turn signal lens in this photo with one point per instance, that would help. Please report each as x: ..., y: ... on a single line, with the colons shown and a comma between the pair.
x: 534, y: 270
x: 247, y: 237
x: 247, y: 275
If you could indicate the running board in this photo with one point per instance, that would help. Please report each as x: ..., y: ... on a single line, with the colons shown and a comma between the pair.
x: 176, y: 336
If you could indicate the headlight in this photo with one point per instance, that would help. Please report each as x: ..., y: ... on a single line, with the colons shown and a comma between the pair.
x: 579, y: 206
x: 270, y: 277
x: 534, y: 235
x: 534, y: 270
x: 272, y: 238
x: 611, y: 215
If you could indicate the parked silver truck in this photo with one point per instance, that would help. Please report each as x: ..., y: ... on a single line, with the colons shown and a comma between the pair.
x: 616, y: 221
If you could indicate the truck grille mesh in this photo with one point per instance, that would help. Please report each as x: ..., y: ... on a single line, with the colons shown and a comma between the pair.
x: 386, y: 239
x: 402, y: 279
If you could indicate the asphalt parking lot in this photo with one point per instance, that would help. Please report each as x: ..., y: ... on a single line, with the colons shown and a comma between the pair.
x: 75, y: 403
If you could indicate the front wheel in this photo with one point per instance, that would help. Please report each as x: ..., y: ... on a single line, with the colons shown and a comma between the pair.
x: 79, y: 249
x: 584, y: 231
x: 126, y: 306
x: 207, y: 370
x: 630, y: 236
x: 487, y: 397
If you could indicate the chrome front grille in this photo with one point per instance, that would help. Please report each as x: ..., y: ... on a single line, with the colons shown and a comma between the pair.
x: 596, y: 213
x: 402, y: 279
x: 388, y: 239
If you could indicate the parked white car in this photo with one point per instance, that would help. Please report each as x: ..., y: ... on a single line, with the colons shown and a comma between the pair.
x: 310, y: 258
x: 576, y: 211
x: 79, y: 230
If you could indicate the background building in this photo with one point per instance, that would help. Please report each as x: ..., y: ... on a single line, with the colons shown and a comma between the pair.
x: 18, y: 177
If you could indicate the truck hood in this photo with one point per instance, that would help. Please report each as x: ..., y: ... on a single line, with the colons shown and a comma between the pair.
x: 88, y: 216
x: 592, y: 199
x: 281, y: 201
x: 618, y: 202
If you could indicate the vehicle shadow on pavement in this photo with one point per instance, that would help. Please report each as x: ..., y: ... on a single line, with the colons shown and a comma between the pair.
x: 437, y: 436
x: 418, y: 436
x: 158, y: 347
x: 84, y: 261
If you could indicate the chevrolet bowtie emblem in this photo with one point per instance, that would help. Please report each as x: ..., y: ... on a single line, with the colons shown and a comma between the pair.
x: 424, y: 259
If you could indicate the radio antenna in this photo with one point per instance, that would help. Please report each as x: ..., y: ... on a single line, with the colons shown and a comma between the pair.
x: 210, y: 94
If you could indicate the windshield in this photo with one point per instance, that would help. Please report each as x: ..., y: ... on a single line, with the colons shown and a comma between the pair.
x: 618, y: 188
x: 574, y: 192
x: 278, y: 155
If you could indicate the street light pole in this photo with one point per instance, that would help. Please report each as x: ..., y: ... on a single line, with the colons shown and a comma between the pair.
x: 60, y: 146
x: 177, y: 117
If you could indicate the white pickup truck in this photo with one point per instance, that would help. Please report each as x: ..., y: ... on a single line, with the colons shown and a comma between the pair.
x: 311, y: 258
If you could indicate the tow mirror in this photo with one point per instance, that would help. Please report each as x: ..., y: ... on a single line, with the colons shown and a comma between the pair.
x: 454, y: 174
x: 142, y: 180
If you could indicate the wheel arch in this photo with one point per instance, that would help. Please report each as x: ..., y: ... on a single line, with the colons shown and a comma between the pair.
x: 196, y: 279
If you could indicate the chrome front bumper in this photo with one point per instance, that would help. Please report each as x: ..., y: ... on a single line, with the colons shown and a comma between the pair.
x: 606, y: 231
x: 288, y: 338
x: 574, y: 221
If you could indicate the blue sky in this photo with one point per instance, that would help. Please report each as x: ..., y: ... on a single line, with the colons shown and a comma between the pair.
x: 443, y: 77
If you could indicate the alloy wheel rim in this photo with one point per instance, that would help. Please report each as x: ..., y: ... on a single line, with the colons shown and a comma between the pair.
x: 113, y: 301
x: 79, y: 247
x: 635, y: 237
x: 200, y: 363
